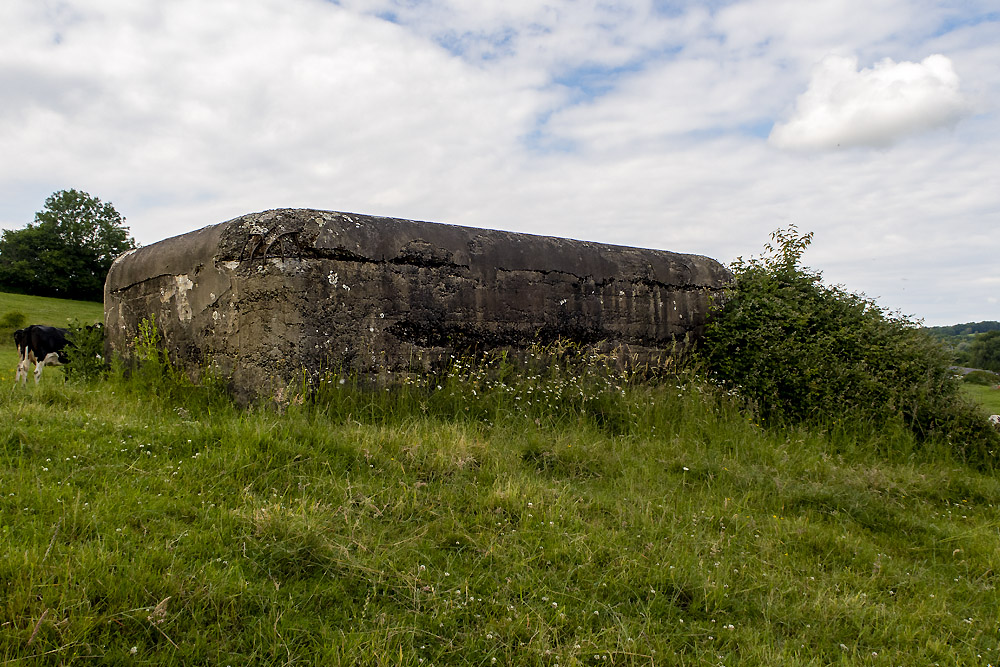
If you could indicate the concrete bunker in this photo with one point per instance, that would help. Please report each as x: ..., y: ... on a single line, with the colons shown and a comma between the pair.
x: 267, y: 296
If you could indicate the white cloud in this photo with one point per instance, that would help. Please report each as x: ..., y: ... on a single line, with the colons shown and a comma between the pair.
x: 876, y: 107
x: 620, y: 122
x: 279, y: 103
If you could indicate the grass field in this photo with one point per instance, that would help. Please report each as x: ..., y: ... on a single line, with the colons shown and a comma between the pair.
x: 988, y: 397
x: 54, y: 312
x: 551, y: 518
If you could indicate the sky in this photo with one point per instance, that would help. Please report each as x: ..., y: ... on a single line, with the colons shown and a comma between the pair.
x: 696, y: 127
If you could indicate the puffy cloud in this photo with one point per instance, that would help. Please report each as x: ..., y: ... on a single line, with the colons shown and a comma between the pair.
x: 876, y: 107
x: 287, y: 103
x: 637, y: 122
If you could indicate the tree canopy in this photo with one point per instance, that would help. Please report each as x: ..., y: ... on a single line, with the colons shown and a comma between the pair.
x: 68, y: 249
x: 985, y: 351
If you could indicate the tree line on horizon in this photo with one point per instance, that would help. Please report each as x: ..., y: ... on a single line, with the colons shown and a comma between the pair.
x: 967, y: 329
x: 973, y: 344
x: 67, y: 250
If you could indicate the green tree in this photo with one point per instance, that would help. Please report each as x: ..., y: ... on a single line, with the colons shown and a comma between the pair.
x: 67, y: 251
x: 800, y: 351
x: 985, y: 351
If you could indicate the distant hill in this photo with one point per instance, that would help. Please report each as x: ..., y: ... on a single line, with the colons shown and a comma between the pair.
x: 957, y: 338
x: 968, y: 329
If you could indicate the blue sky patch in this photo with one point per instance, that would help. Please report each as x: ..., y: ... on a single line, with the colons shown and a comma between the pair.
x: 679, y: 7
x: 541, y: 140
x: 757, y: 128
x: 591, y: 81
x: 480, y: 45
x: 961, y: 20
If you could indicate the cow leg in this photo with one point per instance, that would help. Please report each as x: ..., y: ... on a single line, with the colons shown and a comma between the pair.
x: 51, y: 359
x: 24, y: 359
x: 22, y: 371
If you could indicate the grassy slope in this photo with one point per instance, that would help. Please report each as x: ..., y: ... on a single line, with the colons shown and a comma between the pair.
x: 144, y: 524
x: 988, y: 397
x: 271, y: 539
x: 54, y: 312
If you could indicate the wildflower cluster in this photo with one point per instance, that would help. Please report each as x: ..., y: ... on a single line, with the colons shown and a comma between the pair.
x: 545, y: 383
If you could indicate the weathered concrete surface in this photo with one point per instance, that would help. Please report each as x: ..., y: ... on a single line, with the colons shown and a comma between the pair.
x: 269, y: 294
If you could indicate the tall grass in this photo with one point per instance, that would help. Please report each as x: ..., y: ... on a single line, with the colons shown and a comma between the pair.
x: 446, y: 521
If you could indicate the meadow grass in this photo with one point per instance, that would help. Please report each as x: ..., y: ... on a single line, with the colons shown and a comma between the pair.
x: 53, y: 312
x: 988, y: 397
x: 480, y: 518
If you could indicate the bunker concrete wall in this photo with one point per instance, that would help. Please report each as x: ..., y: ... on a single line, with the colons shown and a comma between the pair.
x: 268, y: 295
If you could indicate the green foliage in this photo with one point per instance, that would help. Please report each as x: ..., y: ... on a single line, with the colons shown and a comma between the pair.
x: 984, y: 378
x: 800, y: 351
x: 959, y: 338
x: 147, y: 346
x: 13, y: 319
x: 155, y: 522
x: 556, y: 382
x: 67, y: 251
x: 147, y: 369
x: 149, y: 366
x: 85, y: 352
x: 985, y: 351
x: 10, y: 322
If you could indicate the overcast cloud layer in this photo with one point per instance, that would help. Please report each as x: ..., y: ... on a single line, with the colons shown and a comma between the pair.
x: 695, y: 127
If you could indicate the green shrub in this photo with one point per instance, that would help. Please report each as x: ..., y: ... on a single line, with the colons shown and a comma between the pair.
x: 985, y: 378
x: 800, y: 351
x: 12, y: 320
x: 86, y: 353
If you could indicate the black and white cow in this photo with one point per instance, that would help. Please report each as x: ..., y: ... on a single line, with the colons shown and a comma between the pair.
x: 41, y: 345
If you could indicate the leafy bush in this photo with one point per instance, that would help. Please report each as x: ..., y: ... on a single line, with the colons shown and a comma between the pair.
x: 149, y: 364
x: 10, y: 322
x: 984, y: 378
x: 800, y: 351
x: 13, y: 319
x: 85, y: 352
